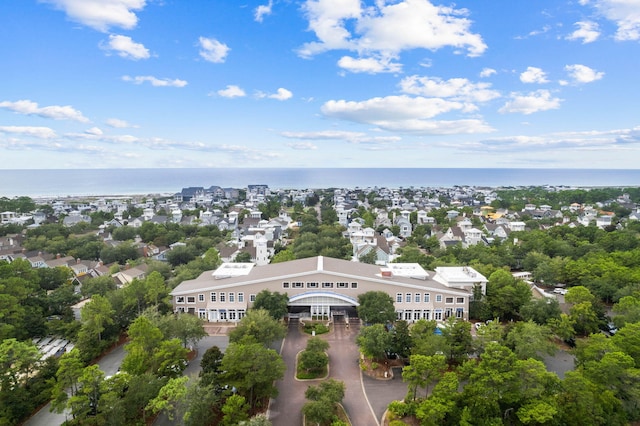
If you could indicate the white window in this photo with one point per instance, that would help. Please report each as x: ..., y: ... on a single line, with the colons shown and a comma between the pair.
x: 201, y: 298
x: 202, y: 313
x: 426, y: 314
x: 327, y: 285
x: 179, y: 299
x: 298, y: 285
x: 438, y: 298
x: 232, y: 297
x: 437, y: 315
x: 252, y: 298
x: 232, y: 314
x: 312, y: 285
x: 448, y: 300
x: 285, y: 285
x: 398, y: 297
x: 407, y: 315
x: 343, y: 285
x: 240, y: 297
x: 448, y: 312
x: 416, y: 315
x: 223, y: 315
x: 459, y: 313
x: 407, y: 297
x: 214, y: 297
x: 241, y: 313
x: 223, y: 297
x: 417, y: 298
x: 191, y: 299
x: 459, y: 300
x: 427, y: 298
x: 354, y: 285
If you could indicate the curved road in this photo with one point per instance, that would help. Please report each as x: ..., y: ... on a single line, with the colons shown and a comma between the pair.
x: 285, y: 410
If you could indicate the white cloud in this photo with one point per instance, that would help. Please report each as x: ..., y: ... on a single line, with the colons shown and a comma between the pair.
x: 624, y: 13
x: 281, y: 94
x: 487, y: 72
x: 543, y: 30
x: 212, y: 50
x: 302, y: 146
x: 262, y: 10
x: 587, y: 31
x: 385, y: 30
x: 437, y: 127
x: 95, y: 131
x: 369, y: 65
x: 455, y: 88
x: 587, y: 140
x: 342, y: 135
x: 534, y: 75
x: 56, y: 112
x: 389, y: 108
x: 101, y: 14
x: 126, y: 48
x: 540, y: 100
x: 231, y: 91
x: 119, y: 124
x: 157, y: 82
x: 34, y: 131
x: 405, y: 114
x: 583, y: 74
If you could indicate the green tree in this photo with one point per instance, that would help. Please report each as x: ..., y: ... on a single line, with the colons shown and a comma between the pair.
x: 530, y: 340
x: 171, y: 398
x: 434, y: 410
x: 313, y: 361
x: 628, y: 339
x: 86, y: 402
x: 18, y: 360
x: 169, y: 359
x: 257, y: 326
x: 459, y: 343
x: 67, y: 376
x: 422, y: 372
x: 374, y: 341
x: 96, y: 315
x: 210, y: 365
x: 627, y: 310
x: 187, y: 328
x: 323, y: 399
x: 235, y: 410
x: 506, y: 295
x: 180, y: 255
x: 376, y: 307
x: 401, y: 342
x: 252, y: 369
x: 425, y: 339
x: 243, y: 257
x: 274, y: 302
x: 541, y: 311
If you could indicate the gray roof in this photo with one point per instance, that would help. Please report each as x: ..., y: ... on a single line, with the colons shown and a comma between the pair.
x: 287, y: 271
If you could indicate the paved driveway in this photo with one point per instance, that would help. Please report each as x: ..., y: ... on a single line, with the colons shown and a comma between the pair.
x: 286, y: 409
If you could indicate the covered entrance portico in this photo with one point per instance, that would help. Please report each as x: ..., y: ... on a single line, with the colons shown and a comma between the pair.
x: 322, y: 304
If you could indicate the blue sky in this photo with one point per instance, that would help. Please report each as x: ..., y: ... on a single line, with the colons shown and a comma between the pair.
x: 319, y: 83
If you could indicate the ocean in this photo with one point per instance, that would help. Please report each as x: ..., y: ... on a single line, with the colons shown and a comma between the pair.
x: 96, y: 182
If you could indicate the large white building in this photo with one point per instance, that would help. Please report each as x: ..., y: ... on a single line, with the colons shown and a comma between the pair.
x: 326, y: 286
